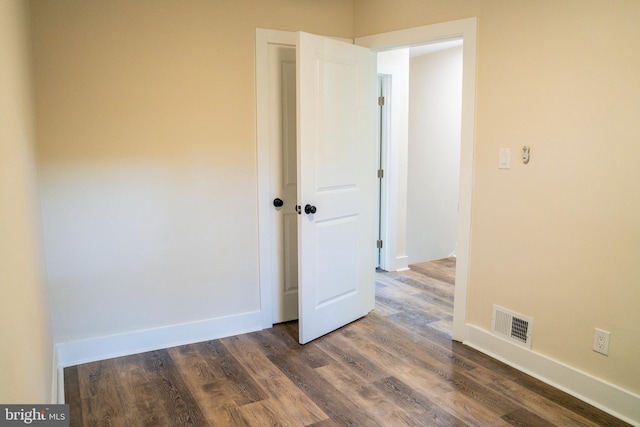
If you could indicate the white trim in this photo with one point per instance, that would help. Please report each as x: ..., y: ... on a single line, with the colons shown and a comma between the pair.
x: 78, y: 352
x: 402, y: 263
x: 383, y: 136
x: 421, y: 35
x: 465, y: 28
x: 608, y: 397
x: 59, y: 398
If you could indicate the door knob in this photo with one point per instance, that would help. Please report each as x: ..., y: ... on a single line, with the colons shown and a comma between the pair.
x: 278, y: 202
x: 308, y: 209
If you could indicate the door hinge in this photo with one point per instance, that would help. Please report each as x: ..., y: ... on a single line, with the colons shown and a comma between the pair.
x: 380, y: 173
x: 381, y: 101
x: 379, y: 244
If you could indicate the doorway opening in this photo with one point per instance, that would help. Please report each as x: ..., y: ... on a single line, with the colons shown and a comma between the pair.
x: 395, y: 256
x: 428, y: 91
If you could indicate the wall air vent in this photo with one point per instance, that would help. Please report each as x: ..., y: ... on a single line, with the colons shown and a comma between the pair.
x: 511, y: 326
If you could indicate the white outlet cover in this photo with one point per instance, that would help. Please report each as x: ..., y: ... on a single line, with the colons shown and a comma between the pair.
x: 601, y: 341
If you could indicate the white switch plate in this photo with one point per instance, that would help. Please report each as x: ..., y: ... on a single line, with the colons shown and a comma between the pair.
x: 505, y: 158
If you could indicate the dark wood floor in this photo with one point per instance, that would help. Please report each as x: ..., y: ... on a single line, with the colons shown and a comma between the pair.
x: 395, y: 367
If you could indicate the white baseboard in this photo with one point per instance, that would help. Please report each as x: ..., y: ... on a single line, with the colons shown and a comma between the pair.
x: 60, y: 391
x: 608, y: 397
x: 402, y: 263
x: 78, y: 352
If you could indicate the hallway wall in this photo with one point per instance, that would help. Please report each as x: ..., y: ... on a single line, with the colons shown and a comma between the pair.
x: 435, y: 107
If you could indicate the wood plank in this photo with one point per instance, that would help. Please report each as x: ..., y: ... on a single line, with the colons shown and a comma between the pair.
x: 426, y: 379
x: 72, y: 394
x: 275, y: 340
x: 216, y: 377
x: 336, y: 404
x: 291, y: 402
x: 266, y: 413
x: 169, y: 391
x: 522, y: 417
x: 529, y: 400
x: 471, y: 412
x: 366, y: 364
x: 441, y: 327
x: 443, y: 269
x: 422, y: 302
x: 99, y: 394
x: 436, y: 365
x: 367, y: 397
x: 419, y: 405
x: 135, y: 393
x: 224, y: 365
x: 411, y: 347
x: 410, y: 281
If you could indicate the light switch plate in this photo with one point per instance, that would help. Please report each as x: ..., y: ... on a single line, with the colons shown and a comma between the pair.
x: 505, y: 158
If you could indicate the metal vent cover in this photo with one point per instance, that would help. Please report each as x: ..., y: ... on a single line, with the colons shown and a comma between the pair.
x: 514, y: 327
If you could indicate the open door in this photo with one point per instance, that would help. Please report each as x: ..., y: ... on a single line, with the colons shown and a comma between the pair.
x: 336, y: 149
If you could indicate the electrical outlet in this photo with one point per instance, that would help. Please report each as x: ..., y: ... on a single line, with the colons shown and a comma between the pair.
x: 601, y: 341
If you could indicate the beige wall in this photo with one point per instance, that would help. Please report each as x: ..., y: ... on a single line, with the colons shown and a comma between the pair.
x: 558, y: 239
x: 26, y: 357
x: 147, y: 156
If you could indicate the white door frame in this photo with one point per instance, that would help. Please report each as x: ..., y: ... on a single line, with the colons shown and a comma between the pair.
x: 467, y: 29
x: 383, y: 203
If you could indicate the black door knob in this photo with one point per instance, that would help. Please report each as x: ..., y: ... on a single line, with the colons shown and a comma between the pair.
x: 278, y: 202
x: 309, y: 209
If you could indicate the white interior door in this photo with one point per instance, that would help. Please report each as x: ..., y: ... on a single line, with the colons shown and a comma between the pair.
x: 336, y: 179
x: 283, y: 179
